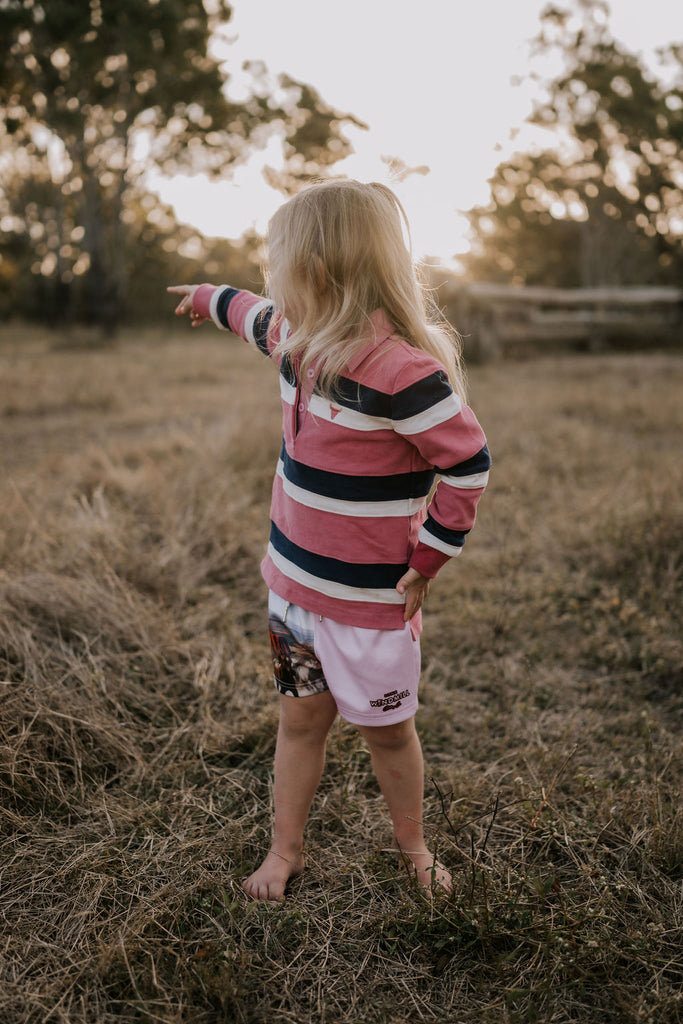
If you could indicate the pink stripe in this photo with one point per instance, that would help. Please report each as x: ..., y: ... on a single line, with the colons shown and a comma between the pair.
x: 336, y: 448
x: 451, y: 442
x: 354, y: 539
x: 454, y: 509
x: 428, y: 560
x: 238, y: 310
x: 201, y: 300
x: 405, y: 362
x: 353, y: 613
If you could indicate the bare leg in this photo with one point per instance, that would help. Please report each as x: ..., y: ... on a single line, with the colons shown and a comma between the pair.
x: 299, y: 760
x: 399, y: 768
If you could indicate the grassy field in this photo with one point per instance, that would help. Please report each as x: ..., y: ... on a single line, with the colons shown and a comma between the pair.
x: 137, y: 717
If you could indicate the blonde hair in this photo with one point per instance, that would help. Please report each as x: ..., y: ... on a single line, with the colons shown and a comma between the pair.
x: 337, y: 254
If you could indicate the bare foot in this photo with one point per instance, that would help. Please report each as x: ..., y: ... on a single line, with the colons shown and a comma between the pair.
x: 269, y: 880
x: 429, y: 873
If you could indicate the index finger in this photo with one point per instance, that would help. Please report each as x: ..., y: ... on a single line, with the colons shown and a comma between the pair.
x: 180, y: 289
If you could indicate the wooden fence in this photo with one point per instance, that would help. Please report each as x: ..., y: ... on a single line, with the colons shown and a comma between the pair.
x: 496, y: 319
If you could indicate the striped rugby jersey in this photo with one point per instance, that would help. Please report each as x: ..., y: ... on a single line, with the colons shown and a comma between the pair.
x: 348, y: 512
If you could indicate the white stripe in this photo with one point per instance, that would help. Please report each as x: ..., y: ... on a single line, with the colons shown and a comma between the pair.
x: 433, y: 542
x: 350, y: 418
x: 439, y: 413
x: 285, y: 330
x: 354, y: 420
x: 371, y: 509
x: 251, y: 317
x: 287, y: 391
x: 330, y: 588
x: 467, y: 482
x: 213, y: 304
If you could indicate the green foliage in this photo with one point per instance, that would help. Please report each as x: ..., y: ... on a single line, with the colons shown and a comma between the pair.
x: 604, y: 205
x: 96, y: 94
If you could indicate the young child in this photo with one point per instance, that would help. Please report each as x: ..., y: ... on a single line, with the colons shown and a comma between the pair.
x: 373, y: 410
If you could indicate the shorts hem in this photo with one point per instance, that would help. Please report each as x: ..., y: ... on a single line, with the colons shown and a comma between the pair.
x: 302, y: 690
x: 389, y: 718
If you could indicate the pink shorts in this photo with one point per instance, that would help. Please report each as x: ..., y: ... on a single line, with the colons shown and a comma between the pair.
x: 371, y: 673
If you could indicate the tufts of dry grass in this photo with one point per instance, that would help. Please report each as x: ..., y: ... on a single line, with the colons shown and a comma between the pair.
x: 137, y: 722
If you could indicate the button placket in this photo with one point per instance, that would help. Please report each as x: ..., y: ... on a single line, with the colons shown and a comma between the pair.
x: 299, y: 407
x: 294, y: 414
x: 304, y: 391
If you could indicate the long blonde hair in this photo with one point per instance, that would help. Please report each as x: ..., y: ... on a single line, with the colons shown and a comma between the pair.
x: 337, y: 254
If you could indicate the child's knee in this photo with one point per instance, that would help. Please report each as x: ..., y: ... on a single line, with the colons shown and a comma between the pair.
x: 389, y: 737
x: 301, y: 717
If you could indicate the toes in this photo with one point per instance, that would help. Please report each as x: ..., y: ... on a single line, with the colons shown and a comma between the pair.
x: 267, y: 892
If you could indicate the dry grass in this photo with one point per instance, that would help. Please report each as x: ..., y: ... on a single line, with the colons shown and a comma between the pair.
x: 137, y: 721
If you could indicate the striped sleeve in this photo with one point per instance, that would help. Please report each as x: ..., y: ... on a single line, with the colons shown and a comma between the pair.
x: 250, y: 316
x: 447, y: 435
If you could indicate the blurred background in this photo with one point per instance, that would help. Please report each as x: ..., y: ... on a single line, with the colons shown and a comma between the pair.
x: 532, y: 145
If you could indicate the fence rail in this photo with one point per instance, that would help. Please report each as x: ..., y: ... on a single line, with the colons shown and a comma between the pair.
x: 495, y: 318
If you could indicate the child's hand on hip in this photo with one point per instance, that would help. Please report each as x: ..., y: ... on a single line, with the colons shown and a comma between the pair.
x: 185, y: 304
x: 415, y: 586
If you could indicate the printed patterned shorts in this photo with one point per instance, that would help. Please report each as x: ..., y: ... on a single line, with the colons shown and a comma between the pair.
x: 372, y: 674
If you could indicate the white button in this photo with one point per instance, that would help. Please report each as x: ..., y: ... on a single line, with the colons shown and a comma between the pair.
x: 310, y: 373
x: 301, y: 406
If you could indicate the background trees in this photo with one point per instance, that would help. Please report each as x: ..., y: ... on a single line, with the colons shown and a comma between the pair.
x: 97, y: 93
x: 93, y: 95
x: 604, y: 204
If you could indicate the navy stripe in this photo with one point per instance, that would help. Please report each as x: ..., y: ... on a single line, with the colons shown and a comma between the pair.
x: 357, y: 488
x: 371, y: 575
x: 261, y: 325
x: 421, y: 395
x: 361, y: 398
x: 456, y: 538
x: 287, y: 370
x: 410, y: 401
x: 479, y: 463
x: 224, y: 300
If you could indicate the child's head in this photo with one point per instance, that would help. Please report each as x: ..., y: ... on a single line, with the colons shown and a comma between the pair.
x: 335, y: 246
x: 337, y: 253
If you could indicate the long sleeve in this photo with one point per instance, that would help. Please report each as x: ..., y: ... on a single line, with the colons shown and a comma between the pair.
x: 447, y: 435
x: 250, y: 316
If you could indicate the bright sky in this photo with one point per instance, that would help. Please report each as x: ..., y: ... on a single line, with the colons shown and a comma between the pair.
x: 431, y: 78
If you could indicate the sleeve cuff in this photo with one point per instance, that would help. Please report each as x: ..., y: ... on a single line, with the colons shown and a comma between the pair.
x: 427, y: 560
x: 201, y: 300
